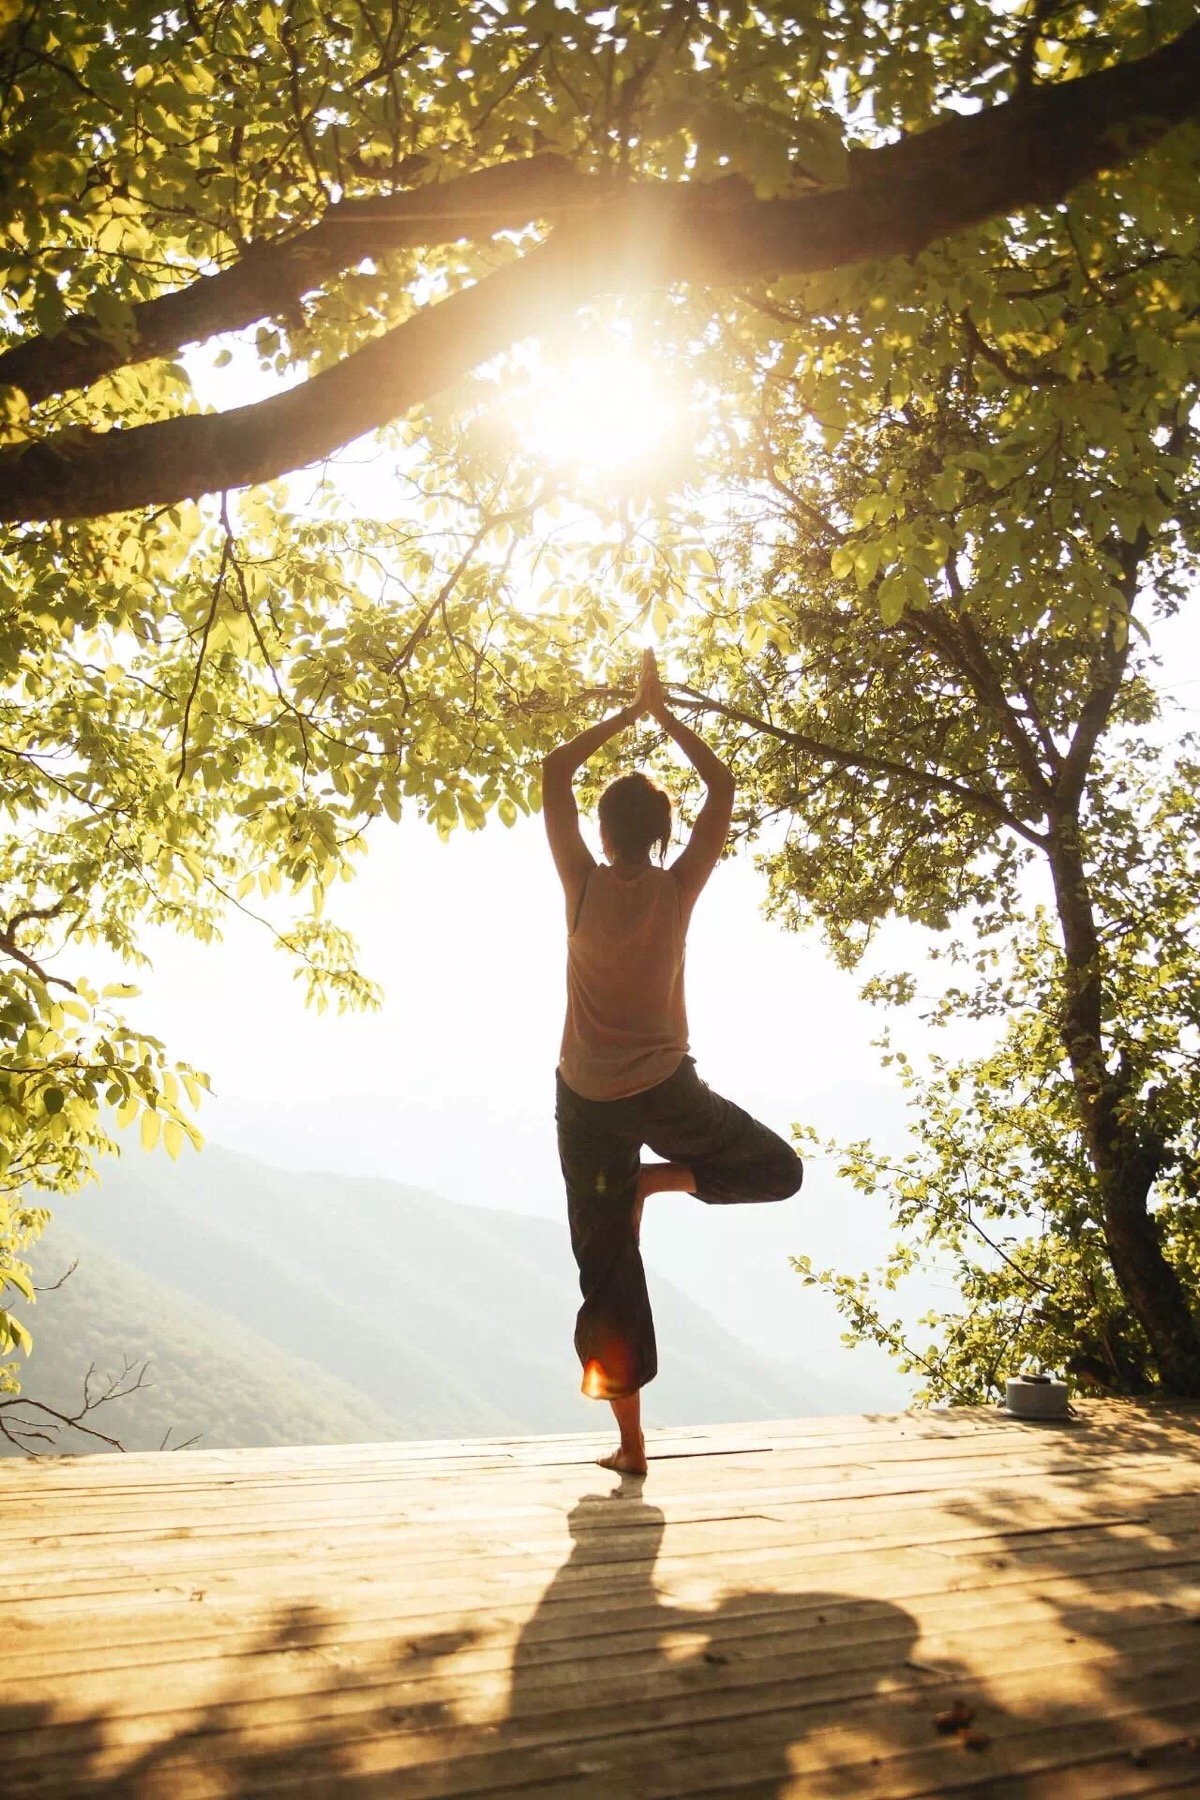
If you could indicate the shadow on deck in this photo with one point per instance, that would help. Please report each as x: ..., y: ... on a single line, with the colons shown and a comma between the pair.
x: 776, y: 1611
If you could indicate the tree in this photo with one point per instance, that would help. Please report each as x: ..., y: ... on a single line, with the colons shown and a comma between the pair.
x: 951, y: 600
x: 1000, y: 1187
x: 189, y: 173
x: 207, y: 698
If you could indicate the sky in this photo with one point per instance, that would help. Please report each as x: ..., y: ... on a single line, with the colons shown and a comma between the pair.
x: 450, y: 1085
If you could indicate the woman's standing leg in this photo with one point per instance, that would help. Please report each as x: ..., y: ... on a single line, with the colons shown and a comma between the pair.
x: 614, y: 1329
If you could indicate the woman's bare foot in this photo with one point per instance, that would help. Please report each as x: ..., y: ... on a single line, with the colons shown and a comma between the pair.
x: 629, y: 1459
x: 660, y: 1178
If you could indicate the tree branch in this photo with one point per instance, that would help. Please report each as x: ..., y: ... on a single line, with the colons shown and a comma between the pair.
x: 1097, y: 709
x: 49, y: 1421
x: 209, y: 620
x: 971, y: 798
x: 273, y: 274
x: 174, y: 459
x: 963, y: 648
x: 616, y: 237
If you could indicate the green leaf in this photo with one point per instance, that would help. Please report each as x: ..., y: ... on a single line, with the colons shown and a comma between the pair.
x: 866, y: 562
x: 892, y: 597
x: 19, y: 1279
x: 13, y: 1334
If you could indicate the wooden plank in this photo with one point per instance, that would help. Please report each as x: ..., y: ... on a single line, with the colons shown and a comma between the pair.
x: 408, y: 1619
x: 408, y: 1454
x: 197, y: 1631
x: 775, y: 1511
x: 691, y: 1701
x: 193, y: 1469
x: 1002, y: 1452
x: 1119, y: 1487
x: 190, y: 1473
x: 693, y: 1743
x: 1008, y: 1517
x: 412, y: 1598
x: 1170, y: 1427
x: 780, y: 1649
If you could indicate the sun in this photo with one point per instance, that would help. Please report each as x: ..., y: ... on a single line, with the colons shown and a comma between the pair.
x: 599, y: 415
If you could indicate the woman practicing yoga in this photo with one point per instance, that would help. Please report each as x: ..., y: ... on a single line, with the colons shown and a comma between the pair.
x: 625, y: 1078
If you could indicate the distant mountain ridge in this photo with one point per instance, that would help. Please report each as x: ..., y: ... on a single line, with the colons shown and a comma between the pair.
x: 429, y: 1318
x: 206, y: 1376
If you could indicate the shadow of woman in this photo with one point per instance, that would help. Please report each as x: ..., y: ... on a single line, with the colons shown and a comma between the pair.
x: 617, y: 1690
x: 614, y: 1684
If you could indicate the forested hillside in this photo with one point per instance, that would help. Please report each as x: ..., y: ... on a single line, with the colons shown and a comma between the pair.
x: 206, y: 1376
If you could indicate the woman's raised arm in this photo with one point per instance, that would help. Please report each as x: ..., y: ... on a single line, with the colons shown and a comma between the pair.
x: 702, y: 852
x: 572, y: 858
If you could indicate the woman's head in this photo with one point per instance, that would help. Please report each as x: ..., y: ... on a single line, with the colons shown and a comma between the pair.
x: 635, y: 817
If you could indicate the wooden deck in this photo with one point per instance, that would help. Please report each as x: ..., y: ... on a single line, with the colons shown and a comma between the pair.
x: 777, y: 1610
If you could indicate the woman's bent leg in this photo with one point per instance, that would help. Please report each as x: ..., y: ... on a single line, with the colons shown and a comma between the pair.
x: 735, y: 1158
x: 614, y: 1330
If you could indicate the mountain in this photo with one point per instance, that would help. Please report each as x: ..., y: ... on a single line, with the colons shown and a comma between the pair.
x: 733, y: 1262
x: 438, y: 1319
x: 206, y: 1376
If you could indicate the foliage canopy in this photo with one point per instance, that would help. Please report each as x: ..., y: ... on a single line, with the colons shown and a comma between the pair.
x: 204, y: 698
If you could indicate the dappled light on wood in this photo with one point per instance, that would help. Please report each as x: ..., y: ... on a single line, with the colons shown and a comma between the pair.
x: 870, y: 1607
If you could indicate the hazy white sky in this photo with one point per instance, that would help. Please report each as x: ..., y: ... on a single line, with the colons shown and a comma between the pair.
x: 450, y: 1087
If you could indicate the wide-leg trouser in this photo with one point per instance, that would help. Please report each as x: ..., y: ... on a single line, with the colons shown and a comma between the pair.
x: 734, y: 1160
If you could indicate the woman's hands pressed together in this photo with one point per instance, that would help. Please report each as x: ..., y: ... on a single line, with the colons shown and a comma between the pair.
x: 650, y: 701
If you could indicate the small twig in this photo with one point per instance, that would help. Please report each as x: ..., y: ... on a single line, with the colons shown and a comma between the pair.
x: 50, y: 1421
x: 35, y: 968
x: 218, y: 586
x: 186, y: 1444
x: 978, y: 343
x: 51, y: 1287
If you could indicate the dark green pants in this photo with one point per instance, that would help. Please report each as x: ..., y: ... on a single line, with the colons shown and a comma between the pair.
x: 734, y: 1160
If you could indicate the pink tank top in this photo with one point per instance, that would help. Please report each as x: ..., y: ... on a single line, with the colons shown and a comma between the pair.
x: 626, y: 1027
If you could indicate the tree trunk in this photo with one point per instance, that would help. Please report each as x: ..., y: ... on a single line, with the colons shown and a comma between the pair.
x: 1126, y: 1152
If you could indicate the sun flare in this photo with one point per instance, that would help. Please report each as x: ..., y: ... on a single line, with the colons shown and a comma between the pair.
x: 602, y: 414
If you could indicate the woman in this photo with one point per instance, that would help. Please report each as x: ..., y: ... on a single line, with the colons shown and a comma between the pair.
x: 625, y: 1078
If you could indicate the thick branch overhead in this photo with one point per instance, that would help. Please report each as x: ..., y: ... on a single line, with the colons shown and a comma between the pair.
x: 607, y: 236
